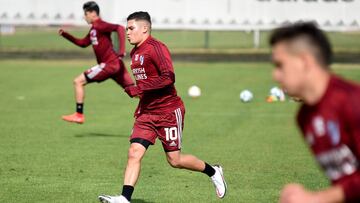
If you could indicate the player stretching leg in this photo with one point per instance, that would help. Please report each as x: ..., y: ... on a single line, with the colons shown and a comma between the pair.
x: 329, y: 117
x: 160, y: 113
x: 110, y: 64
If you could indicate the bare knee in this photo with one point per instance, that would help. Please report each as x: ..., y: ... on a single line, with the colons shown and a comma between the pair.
x: 79, y: 81
x: 135, y: 154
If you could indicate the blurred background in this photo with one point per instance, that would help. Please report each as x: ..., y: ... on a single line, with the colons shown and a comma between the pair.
x: 218, y: 45
x: 187, y: 27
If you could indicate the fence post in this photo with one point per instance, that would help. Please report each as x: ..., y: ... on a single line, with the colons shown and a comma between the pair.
x: 256, y: 38
x: 207, y: 39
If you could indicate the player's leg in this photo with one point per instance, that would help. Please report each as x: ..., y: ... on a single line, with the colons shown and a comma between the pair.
x: 171, y: 138
x: 132, y: 171
x: 79, y: 89
x: 142, y: 137
x: 98, y: 73
x: 122, y: 76
x: 186, y: 161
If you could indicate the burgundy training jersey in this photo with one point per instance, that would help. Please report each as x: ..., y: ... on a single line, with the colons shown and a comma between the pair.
x: 332, y: 130
x: 154, y: 74
x: 100, y: 38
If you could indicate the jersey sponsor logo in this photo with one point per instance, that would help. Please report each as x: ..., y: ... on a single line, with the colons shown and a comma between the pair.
x: 136, y: 57
x: 139, y: 73
x: 319, y: 126
x: 93, y: 38
x: 138, y: 70
x: 338, y: 162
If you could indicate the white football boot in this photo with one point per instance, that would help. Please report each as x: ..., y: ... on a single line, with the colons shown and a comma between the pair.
x: 219, y: 181
x: 112, y: 199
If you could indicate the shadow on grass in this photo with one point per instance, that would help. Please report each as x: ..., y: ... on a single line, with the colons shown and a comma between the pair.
x: 100, y: 135
x: 140, y: 201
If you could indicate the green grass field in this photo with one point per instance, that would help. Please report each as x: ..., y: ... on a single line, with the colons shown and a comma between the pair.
x: 44, y: 159
x: 47, y: 39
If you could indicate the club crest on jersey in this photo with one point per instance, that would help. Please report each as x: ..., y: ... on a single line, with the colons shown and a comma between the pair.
x: 319, y: 126
x: 141, y: 60
x: 334, y: 132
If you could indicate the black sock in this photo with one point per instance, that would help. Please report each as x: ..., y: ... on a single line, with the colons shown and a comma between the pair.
x: 127, y: 192
x: 79, y: 107
x: 209, y: 170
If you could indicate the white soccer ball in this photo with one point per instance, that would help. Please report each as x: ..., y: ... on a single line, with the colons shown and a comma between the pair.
x: 278, y: 93
x: 246, y: 96
x: 194, y: 91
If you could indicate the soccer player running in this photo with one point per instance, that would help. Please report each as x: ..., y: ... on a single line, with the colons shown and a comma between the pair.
x: 110, y: 64
x: 160, y: 113
x: 329, y: 117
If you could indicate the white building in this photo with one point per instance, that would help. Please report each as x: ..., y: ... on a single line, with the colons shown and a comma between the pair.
x: 337, y: 15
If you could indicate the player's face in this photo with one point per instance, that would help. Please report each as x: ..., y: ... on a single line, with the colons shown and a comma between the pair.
x: 136, y: 31
x: 89, y: 16
x: 289, y: 69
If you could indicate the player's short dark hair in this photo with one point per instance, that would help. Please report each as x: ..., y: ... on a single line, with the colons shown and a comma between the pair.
x: 140, y: 15
x: 311, y: 34
x: 91, y: 6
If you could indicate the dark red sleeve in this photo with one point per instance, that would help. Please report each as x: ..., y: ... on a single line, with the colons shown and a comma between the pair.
x: 84, y: 42
x: 351, y: 185
x: 105, y: 27
x: 121, y: 36
x: 161, y: 58
x: 351, y: 188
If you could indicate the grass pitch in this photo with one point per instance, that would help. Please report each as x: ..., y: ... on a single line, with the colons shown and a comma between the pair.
x: 47, y: 39
x: 44, y: 159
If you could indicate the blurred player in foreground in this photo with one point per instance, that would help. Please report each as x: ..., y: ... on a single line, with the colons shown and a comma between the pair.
x: 110, y: 64
x: 329, y: 117
x: 160, y: 113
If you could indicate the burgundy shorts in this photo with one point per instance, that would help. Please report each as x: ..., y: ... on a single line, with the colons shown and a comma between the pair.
x: 167, y: 127
x: 115, y: 70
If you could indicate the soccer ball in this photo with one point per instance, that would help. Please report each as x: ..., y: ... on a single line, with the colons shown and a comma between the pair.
x: 246, y: 96
x: 194, y: 91
x: 277, y: 93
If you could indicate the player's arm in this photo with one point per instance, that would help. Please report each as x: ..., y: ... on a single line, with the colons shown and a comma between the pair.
x: 162, y: 60
x: 120, y: 30
x: 166, y: 78
x: 295, y: 193
x: 121, y: 37
x: 351, y: 185
x: 84, y: 42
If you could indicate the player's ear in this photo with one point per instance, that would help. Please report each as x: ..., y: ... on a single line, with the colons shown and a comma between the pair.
x: 308, y: 60
x: 145, y: 28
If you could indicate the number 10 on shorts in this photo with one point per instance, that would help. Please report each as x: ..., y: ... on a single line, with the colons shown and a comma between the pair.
x: 171, y: 134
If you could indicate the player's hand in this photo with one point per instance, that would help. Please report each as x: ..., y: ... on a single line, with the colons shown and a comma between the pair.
x: 133, y: 91
x: 295, y: 193
x: 121, y: 56
x: 61, y: 31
